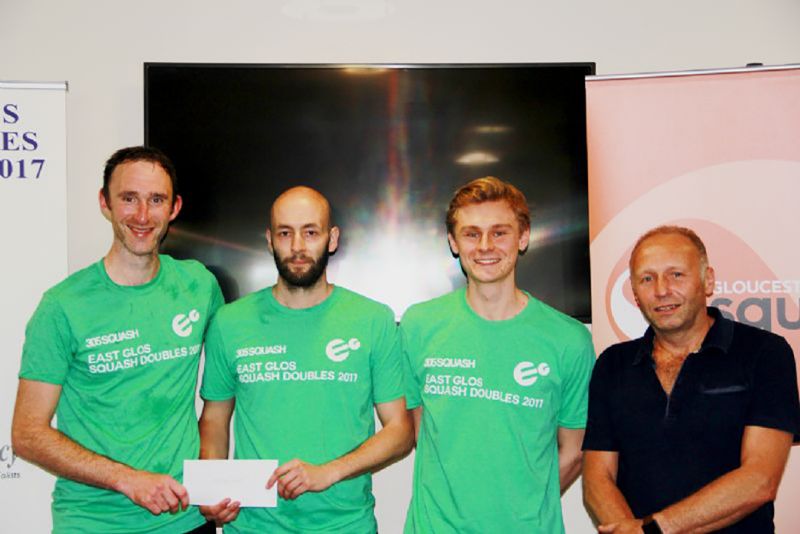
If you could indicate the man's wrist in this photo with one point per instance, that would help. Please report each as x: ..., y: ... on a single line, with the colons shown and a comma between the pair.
x: 334, y: 471
x: 650, y: 525
x: 121, y: 478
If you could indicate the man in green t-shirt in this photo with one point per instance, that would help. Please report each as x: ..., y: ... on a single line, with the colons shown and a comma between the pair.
x: 302, y: 363
x: 113, y: 351
x: 497, y: 383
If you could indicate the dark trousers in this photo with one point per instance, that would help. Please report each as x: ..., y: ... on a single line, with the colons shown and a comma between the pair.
x: 208, y: 528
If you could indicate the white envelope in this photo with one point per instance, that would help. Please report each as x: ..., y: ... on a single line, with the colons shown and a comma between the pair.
x: 210, y: 481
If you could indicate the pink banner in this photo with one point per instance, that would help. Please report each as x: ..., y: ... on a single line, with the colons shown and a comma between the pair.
x: 719, y: 152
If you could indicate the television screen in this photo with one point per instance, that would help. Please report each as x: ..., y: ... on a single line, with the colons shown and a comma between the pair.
x: 387, y: 145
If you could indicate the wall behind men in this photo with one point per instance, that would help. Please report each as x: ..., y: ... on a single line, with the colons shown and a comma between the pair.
x: 98, y: 46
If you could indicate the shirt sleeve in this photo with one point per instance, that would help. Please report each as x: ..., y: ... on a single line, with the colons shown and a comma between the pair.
x: 48, y: 348
x: 217, y: 300
x: 218, y: 377
x: 775, y: 399
x: 575, y: 387
x: 599, y: 430
x: 413, y: 396
x: 386, y: 367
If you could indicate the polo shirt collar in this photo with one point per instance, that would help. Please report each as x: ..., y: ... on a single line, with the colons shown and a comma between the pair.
x: 719, y: 336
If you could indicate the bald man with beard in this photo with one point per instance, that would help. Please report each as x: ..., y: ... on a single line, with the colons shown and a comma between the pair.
x: 300, y: 365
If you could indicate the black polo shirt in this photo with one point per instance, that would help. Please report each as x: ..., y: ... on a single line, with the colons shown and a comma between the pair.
x: 671, y: 446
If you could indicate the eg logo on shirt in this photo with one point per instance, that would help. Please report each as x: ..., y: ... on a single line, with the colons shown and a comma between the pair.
x: 527, y: 373
x: 337, y: 349
x: 182, y: 324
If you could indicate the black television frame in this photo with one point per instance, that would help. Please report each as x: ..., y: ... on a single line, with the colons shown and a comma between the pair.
x: 588, y: 68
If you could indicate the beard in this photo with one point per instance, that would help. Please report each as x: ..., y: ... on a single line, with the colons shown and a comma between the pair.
x: 306, y: 278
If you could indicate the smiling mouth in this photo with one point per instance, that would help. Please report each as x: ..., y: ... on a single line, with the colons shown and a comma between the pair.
x: 140, y: 231
x: 488, y: 261
x: 667, y: 308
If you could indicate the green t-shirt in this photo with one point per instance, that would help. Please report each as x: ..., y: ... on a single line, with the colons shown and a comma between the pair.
x: 126, y: 358
x: 305, y: 382
x: 493, y: 394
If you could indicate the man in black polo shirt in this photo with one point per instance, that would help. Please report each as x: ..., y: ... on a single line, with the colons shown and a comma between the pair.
x: 690, y: 426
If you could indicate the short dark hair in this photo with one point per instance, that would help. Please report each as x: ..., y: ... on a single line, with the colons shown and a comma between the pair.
x: 139, y: 153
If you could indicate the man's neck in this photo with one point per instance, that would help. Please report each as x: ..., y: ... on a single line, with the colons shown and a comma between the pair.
x: 128, y: 269
x: 685, y: 342
x: 298, y: 298
x: 496, y: 301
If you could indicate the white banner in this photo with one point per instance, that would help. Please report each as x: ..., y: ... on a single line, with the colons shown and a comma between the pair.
x: 33, y: 219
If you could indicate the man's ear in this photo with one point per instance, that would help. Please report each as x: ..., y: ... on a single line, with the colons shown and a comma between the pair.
x: 177, y: 204
x: 333, y: 239
x: 710, y: 282
x: 105, y: 209
x: 453, y: 245
x: 268, y: 235
x: 524, y: 241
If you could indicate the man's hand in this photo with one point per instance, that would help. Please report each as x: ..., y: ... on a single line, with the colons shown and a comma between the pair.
x: 156, y: 493
x: 296, y: 477
x: 223, y: 512
x: 623, y: 526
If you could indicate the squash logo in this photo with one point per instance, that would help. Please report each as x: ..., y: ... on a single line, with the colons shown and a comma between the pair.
x: 182, y: 324
x: 338, y: 350
x: 527, y: 373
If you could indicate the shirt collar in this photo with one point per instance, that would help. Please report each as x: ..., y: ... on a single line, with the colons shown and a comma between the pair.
x: 719, y: 336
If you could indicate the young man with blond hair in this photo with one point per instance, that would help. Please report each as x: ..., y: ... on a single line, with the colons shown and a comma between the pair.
x: 498, y: 383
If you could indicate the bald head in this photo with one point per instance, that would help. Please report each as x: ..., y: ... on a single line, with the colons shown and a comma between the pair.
x: 300, y: 237
x: 680, y: 231
x: 301, y: 201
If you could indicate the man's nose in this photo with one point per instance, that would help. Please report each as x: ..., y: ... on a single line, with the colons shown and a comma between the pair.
x: 298, y: 243
x: 661, y: 286
x: 142, y: 211
x: 485, y: 242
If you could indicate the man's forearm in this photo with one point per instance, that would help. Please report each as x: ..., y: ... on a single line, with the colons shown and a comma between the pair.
x: 53, y: 451
x: 723, y: 502
x: 731, y: 497
x: 214, y: 440
x: 392, y: 442
x: 569, y: 455
x: 35, y: 440
x: 569, y: 468
x: 604, y: 501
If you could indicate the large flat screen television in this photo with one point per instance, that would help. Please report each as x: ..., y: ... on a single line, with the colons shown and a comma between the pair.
x: 388, y: 145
